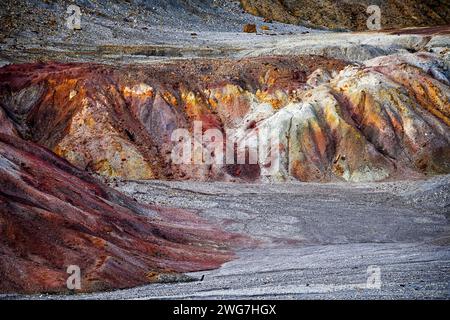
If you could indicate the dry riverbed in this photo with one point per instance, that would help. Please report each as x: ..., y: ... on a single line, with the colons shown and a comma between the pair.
x: 315, y: 240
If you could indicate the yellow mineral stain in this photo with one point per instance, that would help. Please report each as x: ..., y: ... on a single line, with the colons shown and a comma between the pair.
x: 141, y: 90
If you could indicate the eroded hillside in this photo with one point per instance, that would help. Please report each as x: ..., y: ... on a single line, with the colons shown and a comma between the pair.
x: 388, y: 118
x: 351, y: 14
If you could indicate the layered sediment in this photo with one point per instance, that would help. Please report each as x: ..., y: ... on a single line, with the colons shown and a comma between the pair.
x: 53, y: 216
x: 387, y: 118
x: 351, y: 14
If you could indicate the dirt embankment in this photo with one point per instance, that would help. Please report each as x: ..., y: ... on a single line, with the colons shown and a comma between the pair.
x: 53, y: 216
x: 386, y: 119
x: 351, y: 14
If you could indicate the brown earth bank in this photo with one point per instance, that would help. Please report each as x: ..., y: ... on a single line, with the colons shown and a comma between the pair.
x: 351, y: 14
x: 53, y: 215
x: 386, y: 118
x: 427, y: 31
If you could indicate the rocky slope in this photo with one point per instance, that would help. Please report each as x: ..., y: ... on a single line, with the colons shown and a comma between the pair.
x: 317, y: 240
x: 134, y: 32
x: 388, y: 118
x: 351, y: 14
x: 345, y: 106
x: 43, y: 23
x: 52, y: 215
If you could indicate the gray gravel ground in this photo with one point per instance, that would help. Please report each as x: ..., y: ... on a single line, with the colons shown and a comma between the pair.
x: 317, y: 240
x: 159, y: 30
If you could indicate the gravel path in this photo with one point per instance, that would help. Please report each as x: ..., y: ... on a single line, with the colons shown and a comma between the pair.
x: 316, y: 240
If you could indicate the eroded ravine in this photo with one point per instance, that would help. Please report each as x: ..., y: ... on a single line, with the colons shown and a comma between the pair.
x: 53, y: 216
x: 388, y: 118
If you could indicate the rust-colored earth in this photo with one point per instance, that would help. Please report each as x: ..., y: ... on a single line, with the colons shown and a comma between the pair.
x: 386, y: 119
x: 118, y: 121
x: 53, y: 215
x: 351, y: 14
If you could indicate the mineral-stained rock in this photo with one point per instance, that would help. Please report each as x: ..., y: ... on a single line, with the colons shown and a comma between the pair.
x: 249, y: 28
x: 384, y: 119
x: 53, y: 215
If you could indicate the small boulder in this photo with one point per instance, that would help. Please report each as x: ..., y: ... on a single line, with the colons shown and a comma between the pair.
x: 250, y: 28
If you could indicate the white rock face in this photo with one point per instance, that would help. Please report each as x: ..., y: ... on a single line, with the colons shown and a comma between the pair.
x: 361, y: 124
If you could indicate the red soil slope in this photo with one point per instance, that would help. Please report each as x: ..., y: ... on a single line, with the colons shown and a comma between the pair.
x: 53, y: 215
